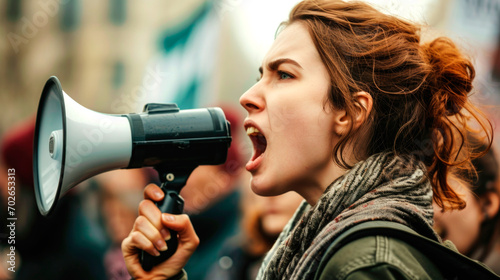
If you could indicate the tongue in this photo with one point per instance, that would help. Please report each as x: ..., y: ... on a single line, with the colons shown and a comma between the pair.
x: 255, y: 161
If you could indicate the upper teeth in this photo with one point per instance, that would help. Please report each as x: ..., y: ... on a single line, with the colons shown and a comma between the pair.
x: 252, y: 130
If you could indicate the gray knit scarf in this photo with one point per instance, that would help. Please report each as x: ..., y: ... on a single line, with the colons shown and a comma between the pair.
x: 383, y: 187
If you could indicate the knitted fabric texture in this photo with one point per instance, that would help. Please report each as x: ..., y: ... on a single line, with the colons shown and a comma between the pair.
x: 383, y: 187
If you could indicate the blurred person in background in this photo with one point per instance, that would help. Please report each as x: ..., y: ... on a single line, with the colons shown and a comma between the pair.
x: 263, y: 219
x: 59, y: 246
x: 120, y: 193
x: 475, y: 230
x: 211, y: 198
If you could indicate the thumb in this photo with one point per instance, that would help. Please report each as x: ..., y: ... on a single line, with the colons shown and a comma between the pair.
x: 183, y: 226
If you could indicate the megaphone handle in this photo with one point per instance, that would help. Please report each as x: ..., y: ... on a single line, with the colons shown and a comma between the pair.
x: 174, y: 204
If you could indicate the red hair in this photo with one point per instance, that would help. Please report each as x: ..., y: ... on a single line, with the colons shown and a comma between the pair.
x: 420, y: 91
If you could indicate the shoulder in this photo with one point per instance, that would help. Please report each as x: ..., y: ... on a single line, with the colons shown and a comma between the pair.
x: 379, y: 257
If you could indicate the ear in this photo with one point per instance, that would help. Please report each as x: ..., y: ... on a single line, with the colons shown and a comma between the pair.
x: 363, y: 104
x: 490, y: 204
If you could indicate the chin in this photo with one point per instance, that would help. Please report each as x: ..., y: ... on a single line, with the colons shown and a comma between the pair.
x: 262, y: 187
x: 257, y: 189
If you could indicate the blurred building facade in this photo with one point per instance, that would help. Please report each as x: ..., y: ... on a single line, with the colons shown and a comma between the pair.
x: 112, y: 55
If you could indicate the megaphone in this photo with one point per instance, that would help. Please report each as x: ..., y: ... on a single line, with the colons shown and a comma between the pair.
x: 73, y: 143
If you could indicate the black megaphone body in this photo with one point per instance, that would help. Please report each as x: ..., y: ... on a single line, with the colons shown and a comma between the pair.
x: 73, y: 143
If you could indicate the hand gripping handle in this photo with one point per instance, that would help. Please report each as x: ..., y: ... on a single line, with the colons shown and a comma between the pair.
x: 174, y: 204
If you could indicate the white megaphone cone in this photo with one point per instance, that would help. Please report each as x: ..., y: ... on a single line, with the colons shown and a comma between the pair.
x: 73, y: 143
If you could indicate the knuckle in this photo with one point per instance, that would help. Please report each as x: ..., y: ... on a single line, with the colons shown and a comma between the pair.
x: 141, y: 221
x: 157, y: 236
x: 149, y: 247
x: 196, y: 241
x: 149, y: 189
x: 135, y: 237
x: 144, y: 205
x: 125, y: 242
x: 185, y: 218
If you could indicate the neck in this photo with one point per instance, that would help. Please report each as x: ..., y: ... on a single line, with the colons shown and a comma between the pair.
x: 312, y: 191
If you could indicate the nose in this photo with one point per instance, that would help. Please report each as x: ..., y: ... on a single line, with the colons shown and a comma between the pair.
x: 252, y: 100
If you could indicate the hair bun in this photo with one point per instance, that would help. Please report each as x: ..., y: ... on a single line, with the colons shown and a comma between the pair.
x: 450, y: 78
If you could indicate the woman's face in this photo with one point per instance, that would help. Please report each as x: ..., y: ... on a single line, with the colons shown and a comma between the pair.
x: 461, y: 227
x: 289, y: 120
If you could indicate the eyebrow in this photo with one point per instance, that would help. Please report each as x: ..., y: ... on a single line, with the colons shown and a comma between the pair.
x: 273, y: 65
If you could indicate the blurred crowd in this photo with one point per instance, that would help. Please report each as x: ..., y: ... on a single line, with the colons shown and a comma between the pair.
x: 114, y: 56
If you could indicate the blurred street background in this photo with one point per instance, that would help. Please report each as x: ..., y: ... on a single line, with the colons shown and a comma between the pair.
x: 114, y: 56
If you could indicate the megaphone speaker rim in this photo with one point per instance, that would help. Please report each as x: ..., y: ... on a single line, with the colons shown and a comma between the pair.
x: 51, y: 86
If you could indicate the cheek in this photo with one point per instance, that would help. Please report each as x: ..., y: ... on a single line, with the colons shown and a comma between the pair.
x: 311, y: 144
x: 305, y: 127
x: 300, y: 107
x: 300, y: 140
x: 300, y: 151
x: 284, y: 118
x: 463, y: 227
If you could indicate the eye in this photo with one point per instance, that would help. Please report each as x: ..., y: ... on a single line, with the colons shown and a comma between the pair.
x: 284, y: 76
x: 261, y: 72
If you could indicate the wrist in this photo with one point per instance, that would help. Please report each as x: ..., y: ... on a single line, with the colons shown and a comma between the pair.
x: 182, y: 275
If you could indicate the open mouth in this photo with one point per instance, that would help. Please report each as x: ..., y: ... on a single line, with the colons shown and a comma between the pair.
x: 259, y: 145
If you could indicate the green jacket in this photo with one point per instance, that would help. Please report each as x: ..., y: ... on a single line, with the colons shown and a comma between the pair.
x: 380, y: 257
x: 376, y: 257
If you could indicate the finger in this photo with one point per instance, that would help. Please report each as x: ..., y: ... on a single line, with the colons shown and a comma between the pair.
x: 182, y: 224
x: 130, y: 249
x: 143, y: 226
x: 153, y: 192
x: 137, y: 240
x: 149, y: 210
x: 130, y: 256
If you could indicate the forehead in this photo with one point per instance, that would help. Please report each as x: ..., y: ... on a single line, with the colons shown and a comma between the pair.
x: 293, y: 42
